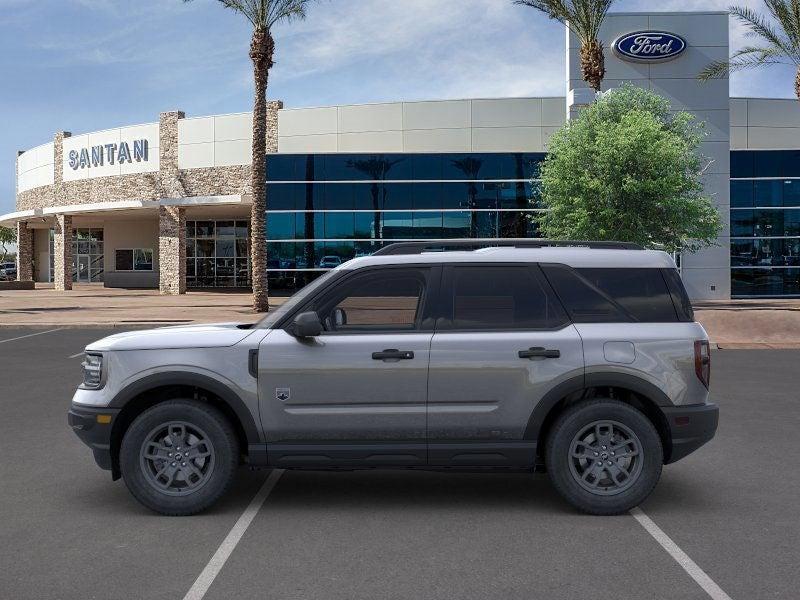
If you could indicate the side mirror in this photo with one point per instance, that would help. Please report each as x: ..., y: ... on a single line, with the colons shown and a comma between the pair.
x: 306, y: 325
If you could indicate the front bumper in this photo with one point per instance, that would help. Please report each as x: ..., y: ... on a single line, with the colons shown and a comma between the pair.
x: 690, y: 427
x: 93, y: 431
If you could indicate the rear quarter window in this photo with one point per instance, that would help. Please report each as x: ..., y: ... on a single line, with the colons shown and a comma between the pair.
x: 613, y: 295
x: 641, y: 292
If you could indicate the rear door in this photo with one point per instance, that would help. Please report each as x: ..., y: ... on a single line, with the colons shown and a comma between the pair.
x: 502, y: 342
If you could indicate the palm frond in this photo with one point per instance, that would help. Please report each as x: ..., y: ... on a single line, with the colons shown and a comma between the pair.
x: 744, y: 58
x: 263, y: 14
x: 583, y: 17
x: 759, y: 26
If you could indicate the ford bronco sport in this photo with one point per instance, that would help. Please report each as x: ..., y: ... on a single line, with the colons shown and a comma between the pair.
x: 581, y: 359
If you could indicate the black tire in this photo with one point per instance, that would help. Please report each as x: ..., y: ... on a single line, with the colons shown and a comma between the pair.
x: 571, y: 475
x: 172, y: 494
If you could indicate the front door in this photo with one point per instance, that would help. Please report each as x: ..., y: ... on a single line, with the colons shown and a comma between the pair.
x: 358, y: 391
x: 502, y: 342
x: 83, y: 268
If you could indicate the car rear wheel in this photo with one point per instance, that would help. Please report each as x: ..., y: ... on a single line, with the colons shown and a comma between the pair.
x: 179, y: 457
x: 604, y: 456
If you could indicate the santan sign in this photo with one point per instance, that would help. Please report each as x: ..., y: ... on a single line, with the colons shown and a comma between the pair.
x: 649, y: 46
x: 97, y: 156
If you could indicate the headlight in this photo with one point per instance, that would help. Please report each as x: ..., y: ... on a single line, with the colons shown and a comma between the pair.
x: 92, y: 371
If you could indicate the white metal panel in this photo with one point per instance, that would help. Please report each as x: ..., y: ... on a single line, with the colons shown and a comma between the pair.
x: 233, y: 127
x: 717, y: 124
x: 738, y: 110
x: 766, y: 138
x: 444, y: 114
x: 547, y: 132
x: 437, y: 140
x: 195, y: 131
x: 300, y: 144
x: 690, y: 63
x: 307, y: 121
x: 691, y: 94
x: 739, y: 138
x: 507, y: 139
x: 233, y: 152
x: 507, y: 112
x: 773, y: 112
x: 195, y: 156
x: 698, y: 29
x: 699, y: 281
x: 720, y: 155
x: 554, y: 111
x: 371, y: 141
x: 371, y: 117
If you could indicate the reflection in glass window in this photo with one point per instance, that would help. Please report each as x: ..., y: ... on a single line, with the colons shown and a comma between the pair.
x: 218, y: 252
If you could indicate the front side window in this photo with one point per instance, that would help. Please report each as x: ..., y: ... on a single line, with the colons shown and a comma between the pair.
x: 499, y: 298
x: 386, y: 300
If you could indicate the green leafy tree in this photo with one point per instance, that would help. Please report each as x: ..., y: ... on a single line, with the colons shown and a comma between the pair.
x: 584, y: 19
x: 627, y: 169
x: 8, y: 236
x: 263, y: 15
x: 778, y: 40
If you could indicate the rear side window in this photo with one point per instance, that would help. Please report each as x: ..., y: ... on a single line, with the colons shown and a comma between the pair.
x: 680, y: 299
x: 585, y: 302
x: 499, y: 298
x: 641, y: 292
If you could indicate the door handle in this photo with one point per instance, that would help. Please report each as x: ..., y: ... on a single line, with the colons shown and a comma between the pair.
x: 539, y: 352
x: 392, y: 353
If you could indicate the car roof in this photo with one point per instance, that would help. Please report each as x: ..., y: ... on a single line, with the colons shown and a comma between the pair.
x: 577, y: 257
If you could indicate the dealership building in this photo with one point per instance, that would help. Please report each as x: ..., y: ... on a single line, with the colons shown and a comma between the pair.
x: 167, y: 204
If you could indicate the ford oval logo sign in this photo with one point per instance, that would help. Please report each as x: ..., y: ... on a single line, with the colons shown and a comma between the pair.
x: 649, y: 46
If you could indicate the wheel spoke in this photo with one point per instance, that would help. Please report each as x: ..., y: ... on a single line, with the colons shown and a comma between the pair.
x: 177, y: 433
x: 618, y: 475
x: 613, y: 445
x: 155, y: 451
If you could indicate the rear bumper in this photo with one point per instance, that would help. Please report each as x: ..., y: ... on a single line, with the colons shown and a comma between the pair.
x: 690, y: 427
x: 97, y: 436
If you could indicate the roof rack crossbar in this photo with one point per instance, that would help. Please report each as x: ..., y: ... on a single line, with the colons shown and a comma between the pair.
x: 445, y: 245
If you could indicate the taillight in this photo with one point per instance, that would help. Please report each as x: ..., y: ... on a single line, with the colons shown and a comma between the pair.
x: 702, y: 361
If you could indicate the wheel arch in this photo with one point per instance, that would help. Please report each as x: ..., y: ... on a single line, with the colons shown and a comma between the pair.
x: 160, y: 387
x: 630, y: 389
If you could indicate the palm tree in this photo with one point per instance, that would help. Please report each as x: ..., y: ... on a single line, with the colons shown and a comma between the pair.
x: 780, y: 41
x: 262, y: 15
x: 584, y: 19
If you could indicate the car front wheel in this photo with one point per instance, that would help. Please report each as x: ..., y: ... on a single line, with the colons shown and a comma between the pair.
x: 604, y: 456
x: 179, y: 457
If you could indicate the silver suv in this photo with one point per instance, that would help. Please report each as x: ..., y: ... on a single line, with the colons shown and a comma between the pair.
x: 580, y: 359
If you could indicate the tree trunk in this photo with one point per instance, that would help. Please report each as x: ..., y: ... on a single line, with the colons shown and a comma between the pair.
x: 262, y: 48
x: 797, y: 84
x: 593, y: 64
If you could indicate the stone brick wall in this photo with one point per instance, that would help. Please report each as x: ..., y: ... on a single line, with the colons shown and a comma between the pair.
x: 24, y: 252
x: 172, y: 250
x: 62, y: 253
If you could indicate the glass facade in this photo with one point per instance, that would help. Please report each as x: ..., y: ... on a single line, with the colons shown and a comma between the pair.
x: 765, y: 223
x: 324, y: 209
x: 217, y: 254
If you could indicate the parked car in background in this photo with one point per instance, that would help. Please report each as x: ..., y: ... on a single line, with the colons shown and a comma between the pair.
x: 584, y: 362
x: 8, y: 271
x: 330, y: 262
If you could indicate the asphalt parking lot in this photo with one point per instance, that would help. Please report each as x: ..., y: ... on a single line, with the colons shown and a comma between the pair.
x: 68, y: 531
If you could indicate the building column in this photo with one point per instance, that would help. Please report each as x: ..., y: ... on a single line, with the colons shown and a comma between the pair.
x: 62, y: 253
x: 24, y: 252
x: 171, y: 250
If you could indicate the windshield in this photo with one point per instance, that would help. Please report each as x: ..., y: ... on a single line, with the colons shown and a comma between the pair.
x: 275, y: 315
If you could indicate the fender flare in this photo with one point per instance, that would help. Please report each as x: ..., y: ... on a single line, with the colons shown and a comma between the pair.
x: 582, y: 382
x: 219, y: 389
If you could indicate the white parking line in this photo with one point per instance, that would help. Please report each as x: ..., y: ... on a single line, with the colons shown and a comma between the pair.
x: 214, y: 566
x: 694, y: 571
x: 77, y: 354
x: 30, y: 335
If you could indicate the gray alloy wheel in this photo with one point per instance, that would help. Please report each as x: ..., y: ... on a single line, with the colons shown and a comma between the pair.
x: 606, y: 457
x: 603, y: 456
x: 177, y: 458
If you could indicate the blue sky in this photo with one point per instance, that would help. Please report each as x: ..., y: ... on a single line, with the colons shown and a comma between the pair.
x: 84, y: 65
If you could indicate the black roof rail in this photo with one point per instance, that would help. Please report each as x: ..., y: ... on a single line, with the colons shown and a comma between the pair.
x: 447, y: 245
